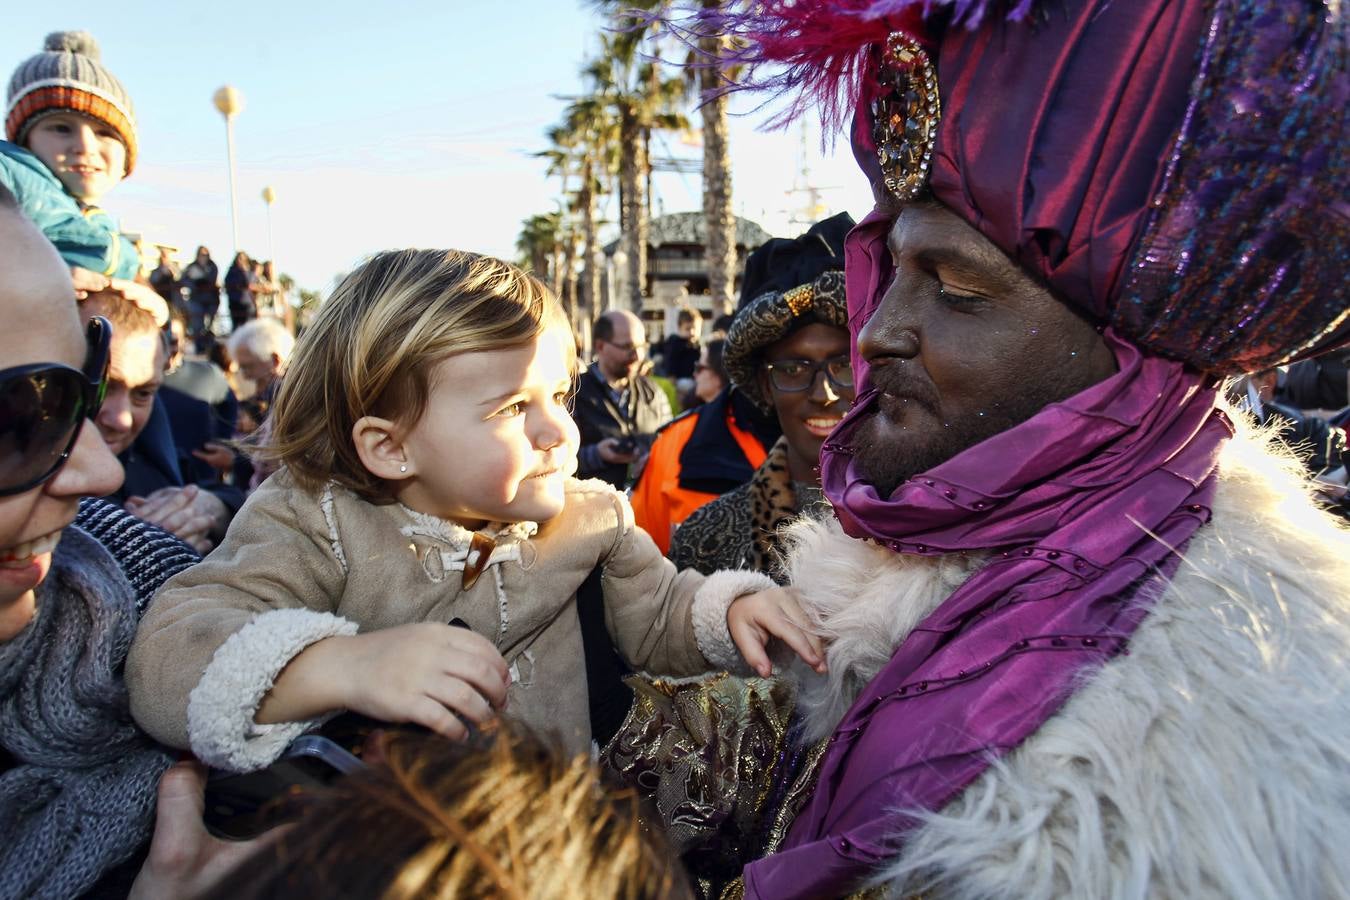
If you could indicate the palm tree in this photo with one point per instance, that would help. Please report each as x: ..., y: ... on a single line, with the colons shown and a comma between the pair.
x: 592, y: 133
x: 717, y: 214
x: 561, y: 163
x: 641, y: 100
x: 537, y: 242
x: 711, y: 77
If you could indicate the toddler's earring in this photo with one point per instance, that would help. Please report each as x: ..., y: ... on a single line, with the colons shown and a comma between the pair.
x: 403, y: 468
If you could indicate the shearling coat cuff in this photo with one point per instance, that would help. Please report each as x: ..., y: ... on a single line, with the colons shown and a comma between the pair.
x: 710, y: 615
x: 221, y: 708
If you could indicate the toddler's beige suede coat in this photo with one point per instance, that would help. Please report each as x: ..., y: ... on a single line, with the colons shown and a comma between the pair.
x: 297, y: 567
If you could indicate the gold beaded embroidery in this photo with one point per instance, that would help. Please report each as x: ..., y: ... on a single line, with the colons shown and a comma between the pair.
x: 799, y: 299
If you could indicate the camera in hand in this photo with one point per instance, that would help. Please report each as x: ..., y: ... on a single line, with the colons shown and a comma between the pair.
x: 626, y: 444
x: 240, y: 806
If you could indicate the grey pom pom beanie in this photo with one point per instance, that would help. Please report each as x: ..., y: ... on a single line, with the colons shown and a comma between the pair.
x: 68, y: 76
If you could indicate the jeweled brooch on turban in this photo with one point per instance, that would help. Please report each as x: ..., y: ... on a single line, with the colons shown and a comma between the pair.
x: 905, y: 115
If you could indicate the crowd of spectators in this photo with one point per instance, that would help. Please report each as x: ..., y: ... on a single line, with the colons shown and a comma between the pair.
x: 716, y: 440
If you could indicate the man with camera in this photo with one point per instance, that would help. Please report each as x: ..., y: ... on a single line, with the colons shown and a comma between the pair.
x: 617, y: 410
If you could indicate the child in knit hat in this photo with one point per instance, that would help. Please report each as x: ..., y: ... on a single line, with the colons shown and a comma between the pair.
x: 71, y: 138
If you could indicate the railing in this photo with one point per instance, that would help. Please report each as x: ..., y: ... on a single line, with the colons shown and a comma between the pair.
x: 684, y: 268
x: 678, y: 268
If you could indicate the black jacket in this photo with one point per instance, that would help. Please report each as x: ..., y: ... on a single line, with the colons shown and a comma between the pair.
x: 154, y: 460
x: 599, y: 417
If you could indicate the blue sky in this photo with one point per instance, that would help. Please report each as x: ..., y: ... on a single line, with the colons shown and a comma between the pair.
x: 379, y: 125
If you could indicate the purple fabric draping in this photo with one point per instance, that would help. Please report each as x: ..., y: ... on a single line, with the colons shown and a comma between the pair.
x: 1085, y: 507
x: 1176, y: 170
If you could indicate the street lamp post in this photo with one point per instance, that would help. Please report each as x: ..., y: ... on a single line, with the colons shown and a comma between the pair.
x: 229, y: 102
x: 269, y: 196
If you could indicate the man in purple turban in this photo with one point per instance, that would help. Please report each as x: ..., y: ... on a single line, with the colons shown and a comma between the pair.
x: 1087, y: 634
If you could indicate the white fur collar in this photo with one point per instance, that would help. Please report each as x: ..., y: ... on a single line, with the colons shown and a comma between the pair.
x: 1211, y: 760
x: 862, y: 600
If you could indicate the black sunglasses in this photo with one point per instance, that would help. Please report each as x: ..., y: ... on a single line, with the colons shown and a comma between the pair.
x: 43, y: 406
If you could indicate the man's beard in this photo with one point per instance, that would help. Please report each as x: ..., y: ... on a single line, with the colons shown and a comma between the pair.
x: 886, y: 462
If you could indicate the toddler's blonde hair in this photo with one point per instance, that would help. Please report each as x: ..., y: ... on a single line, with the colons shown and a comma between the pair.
x: 373, y: 347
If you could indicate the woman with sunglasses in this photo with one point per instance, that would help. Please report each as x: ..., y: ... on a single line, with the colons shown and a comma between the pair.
x: 77, y: 778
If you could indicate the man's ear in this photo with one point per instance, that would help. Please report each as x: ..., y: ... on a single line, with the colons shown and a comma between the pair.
x: 276, y: 362
x: 380, y: 449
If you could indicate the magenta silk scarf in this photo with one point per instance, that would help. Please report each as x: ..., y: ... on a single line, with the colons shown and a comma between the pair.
x: 1085, y: 507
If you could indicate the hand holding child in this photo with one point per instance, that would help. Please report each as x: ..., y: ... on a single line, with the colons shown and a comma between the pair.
x: 87, y: 282
x: 144, y: 297
x: 427, y: 673
x: 754, y: 618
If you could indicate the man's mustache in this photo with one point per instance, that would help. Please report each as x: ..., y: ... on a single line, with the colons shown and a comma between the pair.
x: 897, y: 382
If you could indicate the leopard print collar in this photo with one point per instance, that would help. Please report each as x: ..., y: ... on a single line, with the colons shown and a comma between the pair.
x: 773, y: 504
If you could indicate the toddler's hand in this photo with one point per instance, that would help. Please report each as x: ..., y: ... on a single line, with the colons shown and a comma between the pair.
x: 426, y: 673
x: 754, y: 618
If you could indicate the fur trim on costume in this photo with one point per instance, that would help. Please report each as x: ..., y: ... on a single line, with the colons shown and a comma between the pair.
x: 221, y: 708
x: 709, y: 612
x: 861, y: 599
x: 1212, y: 759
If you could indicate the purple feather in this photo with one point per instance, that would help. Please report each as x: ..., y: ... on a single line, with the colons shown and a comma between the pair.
x: 814, y: 51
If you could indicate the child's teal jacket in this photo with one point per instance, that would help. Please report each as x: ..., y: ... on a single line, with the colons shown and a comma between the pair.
x: 84, y: 236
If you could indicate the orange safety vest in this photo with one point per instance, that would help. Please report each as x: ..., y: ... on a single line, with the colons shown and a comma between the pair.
x: 659, y: 503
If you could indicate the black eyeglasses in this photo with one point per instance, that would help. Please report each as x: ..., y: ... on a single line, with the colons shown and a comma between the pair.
x: 794, y: 375
x: 42, y: 409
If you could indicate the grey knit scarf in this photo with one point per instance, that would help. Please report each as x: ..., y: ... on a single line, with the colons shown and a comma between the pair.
x: 81, y: 796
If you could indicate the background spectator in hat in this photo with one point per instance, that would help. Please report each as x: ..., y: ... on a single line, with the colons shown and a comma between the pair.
x: 789, y: 353
x: 721, y: 445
